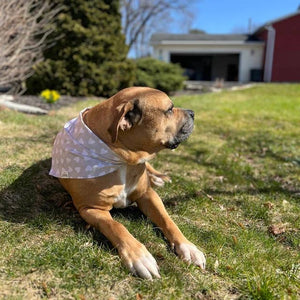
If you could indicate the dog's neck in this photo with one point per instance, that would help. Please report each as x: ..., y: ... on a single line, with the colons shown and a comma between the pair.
x: 100, y: 128
x: 131, y: 157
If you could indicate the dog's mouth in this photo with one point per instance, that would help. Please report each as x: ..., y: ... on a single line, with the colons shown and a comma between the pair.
x: 172, y: 145
x: 181, y: 136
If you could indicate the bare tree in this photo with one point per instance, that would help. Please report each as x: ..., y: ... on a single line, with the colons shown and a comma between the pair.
x: 140, y: 18
x: 24, y: 27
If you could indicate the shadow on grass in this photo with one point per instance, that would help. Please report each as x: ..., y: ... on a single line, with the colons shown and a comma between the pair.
x: 37, y: 199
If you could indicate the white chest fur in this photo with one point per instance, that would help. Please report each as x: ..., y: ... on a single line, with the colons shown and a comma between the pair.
x: 121, y: 200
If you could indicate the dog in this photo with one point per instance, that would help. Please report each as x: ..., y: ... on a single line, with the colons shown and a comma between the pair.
x: 101, y: 159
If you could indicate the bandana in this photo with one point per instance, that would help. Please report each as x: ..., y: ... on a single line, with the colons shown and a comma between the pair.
x: 79, y: 153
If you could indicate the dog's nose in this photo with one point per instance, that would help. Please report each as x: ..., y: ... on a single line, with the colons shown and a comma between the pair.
x: 191, y: 113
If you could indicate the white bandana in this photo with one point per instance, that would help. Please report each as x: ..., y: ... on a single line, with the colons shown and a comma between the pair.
x: 79, y: 153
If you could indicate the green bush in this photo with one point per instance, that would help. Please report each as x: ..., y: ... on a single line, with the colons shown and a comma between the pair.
x: 154, y: 73
x: 89, y: 56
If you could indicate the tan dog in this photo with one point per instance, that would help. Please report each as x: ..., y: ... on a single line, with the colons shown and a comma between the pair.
x: 135, y: 124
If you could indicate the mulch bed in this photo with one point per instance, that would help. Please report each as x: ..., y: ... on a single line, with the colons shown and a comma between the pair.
x: 63, y: 101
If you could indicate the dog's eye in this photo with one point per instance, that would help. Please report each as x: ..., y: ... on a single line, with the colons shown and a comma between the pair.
x: 170, y: 110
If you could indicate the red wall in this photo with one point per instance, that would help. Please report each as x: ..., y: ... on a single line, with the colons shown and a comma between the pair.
x: 286, y: 59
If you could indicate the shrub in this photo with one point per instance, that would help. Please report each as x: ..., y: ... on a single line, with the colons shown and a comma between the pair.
x: 154, y: 73
x: 89, y: 57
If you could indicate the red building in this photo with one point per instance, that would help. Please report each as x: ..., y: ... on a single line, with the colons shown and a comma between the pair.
x: 282, y: 49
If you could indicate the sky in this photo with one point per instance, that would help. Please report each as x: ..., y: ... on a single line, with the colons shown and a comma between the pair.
x: 228, y: 16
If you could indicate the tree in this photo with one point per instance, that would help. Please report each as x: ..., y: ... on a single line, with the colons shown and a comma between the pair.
x: 24, y: 27
x: 196, y: 31
x: 141, y: 18
x: 90, y: 57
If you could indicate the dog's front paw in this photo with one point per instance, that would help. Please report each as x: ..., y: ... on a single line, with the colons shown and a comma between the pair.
x: 190, y: 253
x: 139, y: 261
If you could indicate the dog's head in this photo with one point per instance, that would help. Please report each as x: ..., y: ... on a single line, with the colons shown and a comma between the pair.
x: 145, y: 119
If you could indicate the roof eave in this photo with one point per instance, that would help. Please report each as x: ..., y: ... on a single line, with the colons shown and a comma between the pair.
x: 184, y: 42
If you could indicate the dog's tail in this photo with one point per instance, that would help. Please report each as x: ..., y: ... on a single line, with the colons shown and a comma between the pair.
x: 156, y: 178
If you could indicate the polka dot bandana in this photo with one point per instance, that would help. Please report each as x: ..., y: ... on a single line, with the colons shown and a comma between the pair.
x: 79, y: 153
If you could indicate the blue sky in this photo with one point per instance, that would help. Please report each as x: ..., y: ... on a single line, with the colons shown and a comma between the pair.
x: 227, y: 16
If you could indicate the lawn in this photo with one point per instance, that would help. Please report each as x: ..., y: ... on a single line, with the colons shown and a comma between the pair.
x: 235, y: 193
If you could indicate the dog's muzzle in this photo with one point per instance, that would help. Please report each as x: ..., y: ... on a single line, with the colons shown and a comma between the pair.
x: 184, y: 132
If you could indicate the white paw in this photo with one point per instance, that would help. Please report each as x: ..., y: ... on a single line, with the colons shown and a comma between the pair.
x: 191, y: 254
x: 145, y: 267
x: 141, y: 263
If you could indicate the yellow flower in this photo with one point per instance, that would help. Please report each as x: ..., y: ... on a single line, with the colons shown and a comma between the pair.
x: 50, y: 96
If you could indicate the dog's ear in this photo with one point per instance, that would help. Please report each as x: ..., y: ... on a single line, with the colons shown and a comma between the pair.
x: 129, y: 114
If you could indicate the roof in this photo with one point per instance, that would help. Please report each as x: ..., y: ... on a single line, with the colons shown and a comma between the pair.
x: 276, y: 21
x: 159, y: 38
x: 170, y: 38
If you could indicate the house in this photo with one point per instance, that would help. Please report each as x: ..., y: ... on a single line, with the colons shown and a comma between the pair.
x: 271, y: 53
x: 206, y: 57
x: 282, y: 48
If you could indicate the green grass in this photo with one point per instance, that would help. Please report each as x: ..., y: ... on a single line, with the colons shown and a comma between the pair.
x: 237, y: 175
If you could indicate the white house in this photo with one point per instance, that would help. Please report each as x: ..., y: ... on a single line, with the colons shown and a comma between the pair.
x: 206, y: 57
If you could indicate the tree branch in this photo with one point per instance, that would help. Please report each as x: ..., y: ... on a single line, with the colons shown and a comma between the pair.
x: 24, y: 27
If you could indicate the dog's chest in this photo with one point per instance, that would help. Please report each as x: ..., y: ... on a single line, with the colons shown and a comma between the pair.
x: 121, y: 200
x: 128, y: 186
